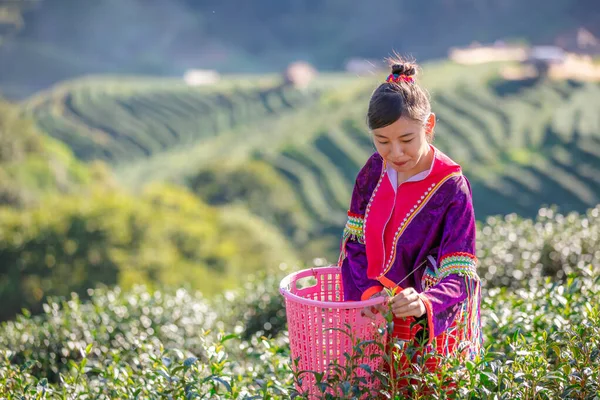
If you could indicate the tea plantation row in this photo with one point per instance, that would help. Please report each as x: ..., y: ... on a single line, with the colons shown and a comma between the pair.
x: 542, y: 334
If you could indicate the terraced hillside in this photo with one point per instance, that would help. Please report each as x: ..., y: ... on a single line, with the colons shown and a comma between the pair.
x: 292, y: 157
x: 537, y: 146
x: 121, y: 120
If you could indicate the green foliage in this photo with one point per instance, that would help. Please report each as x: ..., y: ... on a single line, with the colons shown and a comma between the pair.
x: 33, y: 165
x: 18, y: 137
x: 542, y: 342
x: 256, y: 307
x: 253, y: 184
x: 136, y: 345
x: 164, y: 236
x: 514, y: 252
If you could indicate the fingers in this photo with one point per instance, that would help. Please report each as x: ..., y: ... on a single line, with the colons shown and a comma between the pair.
x: 369, y: 312
x: 381, y: 308
x: 405, y: 297
x: 404, y: 304
x: 406, y: 310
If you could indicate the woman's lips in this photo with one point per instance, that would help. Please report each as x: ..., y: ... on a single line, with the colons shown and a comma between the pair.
x: 399, y: 164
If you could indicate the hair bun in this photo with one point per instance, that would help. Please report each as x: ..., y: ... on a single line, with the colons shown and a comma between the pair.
x: 404, y: 69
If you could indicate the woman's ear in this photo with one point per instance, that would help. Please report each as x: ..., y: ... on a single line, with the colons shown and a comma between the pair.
x: 430, y: 124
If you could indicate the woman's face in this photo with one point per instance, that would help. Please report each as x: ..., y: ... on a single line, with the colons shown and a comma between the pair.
x: 403, y: 144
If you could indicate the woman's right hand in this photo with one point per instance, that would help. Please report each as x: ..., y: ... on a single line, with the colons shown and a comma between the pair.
x: 372, y: 311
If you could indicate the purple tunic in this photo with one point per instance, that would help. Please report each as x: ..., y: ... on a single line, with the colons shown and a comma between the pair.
x: 431, y: 249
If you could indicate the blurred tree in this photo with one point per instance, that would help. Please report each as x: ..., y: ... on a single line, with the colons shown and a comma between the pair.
x: 33, y: 164
x: 17, y: 135
x: 165, y: 237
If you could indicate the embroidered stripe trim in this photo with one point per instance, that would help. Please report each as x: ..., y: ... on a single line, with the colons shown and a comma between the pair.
x: 463, y: 264
x: 467, y: 328
x: 428, y: 280
x: 383, y: 171
x: 354, y: 228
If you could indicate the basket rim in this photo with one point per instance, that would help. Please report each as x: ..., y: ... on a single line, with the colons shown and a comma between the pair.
x: 286, y: 281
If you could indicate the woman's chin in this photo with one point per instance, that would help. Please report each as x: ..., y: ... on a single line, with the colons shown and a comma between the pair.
x: 403, y: 167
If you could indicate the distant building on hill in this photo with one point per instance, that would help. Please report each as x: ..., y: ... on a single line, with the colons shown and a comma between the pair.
x: 580, y: 41
x: 477, y: 53
x: 364, y: 66
x: 550, y: 54
x: 556, y: 63
x: 199, y: 77
x: 299, y: 74
x: 542, y: 58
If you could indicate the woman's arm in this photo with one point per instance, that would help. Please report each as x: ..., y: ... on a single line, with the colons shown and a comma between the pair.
x: 353, y: 256
x: 456, y: 279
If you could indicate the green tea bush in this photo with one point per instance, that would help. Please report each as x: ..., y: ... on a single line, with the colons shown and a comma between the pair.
x: 256, y: 308
x: 515, y: 252
x: 138, y: 344
x: 541, y: 343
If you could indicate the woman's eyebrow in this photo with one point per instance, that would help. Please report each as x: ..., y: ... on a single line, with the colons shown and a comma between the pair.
x: 385, y: 137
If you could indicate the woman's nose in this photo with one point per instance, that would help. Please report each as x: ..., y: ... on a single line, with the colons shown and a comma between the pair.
x: 397, y: 150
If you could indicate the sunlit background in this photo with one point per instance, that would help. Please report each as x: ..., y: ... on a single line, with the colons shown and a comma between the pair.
x: 165, y: 163
x: 180, y: 143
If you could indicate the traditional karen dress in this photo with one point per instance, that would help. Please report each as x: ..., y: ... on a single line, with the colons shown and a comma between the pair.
x: 420, y: 234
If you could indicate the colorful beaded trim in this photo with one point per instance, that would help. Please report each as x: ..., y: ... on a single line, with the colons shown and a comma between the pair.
x: 463, y: 264
x: 467, y: 329
x: 354, y: 228
x: 429, y: 279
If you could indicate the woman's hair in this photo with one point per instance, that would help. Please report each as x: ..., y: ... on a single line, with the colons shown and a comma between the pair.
x: 399, y: 96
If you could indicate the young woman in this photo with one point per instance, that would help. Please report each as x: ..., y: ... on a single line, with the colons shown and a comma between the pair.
x: 411, y: 225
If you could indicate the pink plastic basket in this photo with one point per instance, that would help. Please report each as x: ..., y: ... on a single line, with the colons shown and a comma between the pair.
x: 316, y: 312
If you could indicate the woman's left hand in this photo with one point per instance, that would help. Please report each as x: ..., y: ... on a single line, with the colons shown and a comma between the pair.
x: 407, y: 303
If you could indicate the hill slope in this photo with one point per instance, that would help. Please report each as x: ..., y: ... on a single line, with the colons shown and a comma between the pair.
x: 523, y: 144
x: 124, y: 118
x: 33, y: 165
x: 65, y: 227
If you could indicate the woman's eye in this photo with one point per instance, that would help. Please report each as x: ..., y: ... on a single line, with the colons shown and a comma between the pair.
x: 382, y: 142
x: 407, y: 141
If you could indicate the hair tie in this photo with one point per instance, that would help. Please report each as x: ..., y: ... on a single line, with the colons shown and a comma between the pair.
x: 399, y: 78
